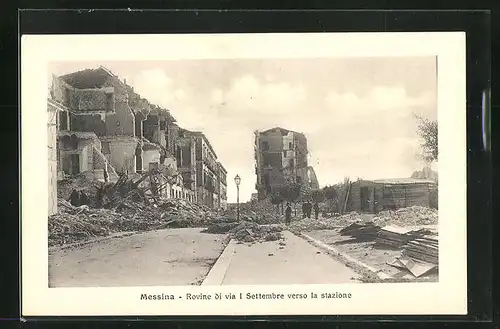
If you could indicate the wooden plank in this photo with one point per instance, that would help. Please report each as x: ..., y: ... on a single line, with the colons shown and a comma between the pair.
x: 347, y: 197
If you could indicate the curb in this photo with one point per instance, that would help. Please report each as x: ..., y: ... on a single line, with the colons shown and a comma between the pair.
x: 86, y: 242
x: 379, y: 273
x: 217, y: 273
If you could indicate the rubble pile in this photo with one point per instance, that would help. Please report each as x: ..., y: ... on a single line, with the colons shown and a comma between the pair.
x: 329, y: 223
x: 311, y: 224
x: 411, y: 216
x: 252, y: 232
x: 90, y: 208
x: 361, y: 232
x: 347, y: 219
x: 261, y: 212
x: 79, y: 183
x: 72, y: 224
x: 179, y: 213
x: 220, y: 228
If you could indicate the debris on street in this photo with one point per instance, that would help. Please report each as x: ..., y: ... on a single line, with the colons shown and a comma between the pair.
x: 253, y: 232
x: 410, y: 216
x: 263, y: 213
x: 417, y: 269
x: 220, y: 228
x: 403, y: 243
x: 361, y: 232
x: 304, y: 225
x: 404, y: 217
x: 74, y: 188
x: 72, y: 224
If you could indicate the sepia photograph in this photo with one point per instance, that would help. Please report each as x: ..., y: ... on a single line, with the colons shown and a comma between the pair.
x: 205, y: 171
x: 209, y: 172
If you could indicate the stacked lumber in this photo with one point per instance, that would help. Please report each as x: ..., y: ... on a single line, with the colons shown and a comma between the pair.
x: 361, y: 231
x: 393, y: 236
x: 423, y: 249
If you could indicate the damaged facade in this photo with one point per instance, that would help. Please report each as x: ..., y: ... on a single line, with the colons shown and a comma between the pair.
x: 222, y: 183
x: 52, y: 112
x: 106, y: 129
x: 281, y: 157
x: 99, y: 103
x: 201, y: 170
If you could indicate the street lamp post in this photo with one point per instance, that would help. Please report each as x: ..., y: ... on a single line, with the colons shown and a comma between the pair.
x: 237, y: 181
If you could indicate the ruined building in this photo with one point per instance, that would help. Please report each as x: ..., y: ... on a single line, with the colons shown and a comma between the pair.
x: 200, y: 168
x: 222, y: 187
x: 99, y: 103
x: 281, y: 157
x: 104, y: 128
x: 52, y: 112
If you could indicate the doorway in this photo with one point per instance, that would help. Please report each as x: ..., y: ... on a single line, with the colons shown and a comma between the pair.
x: 75, y: 164
x: 365, y: 199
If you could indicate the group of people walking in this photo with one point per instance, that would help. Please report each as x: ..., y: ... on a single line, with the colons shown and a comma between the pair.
x: 307, y: 208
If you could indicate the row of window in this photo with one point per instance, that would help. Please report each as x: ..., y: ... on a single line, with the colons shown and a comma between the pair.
x: 265, y: 146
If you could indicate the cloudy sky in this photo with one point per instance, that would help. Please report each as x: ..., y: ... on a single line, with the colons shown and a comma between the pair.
x: 357, y: 113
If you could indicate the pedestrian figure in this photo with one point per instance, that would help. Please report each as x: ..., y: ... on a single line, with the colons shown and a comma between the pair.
x: 288, y: 214
x: 304, y: 209
x: 316, y: 210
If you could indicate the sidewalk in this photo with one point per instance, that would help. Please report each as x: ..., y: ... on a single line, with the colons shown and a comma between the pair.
x: 297, y: 263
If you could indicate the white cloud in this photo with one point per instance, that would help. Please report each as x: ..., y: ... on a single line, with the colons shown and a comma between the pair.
x: 217, y: 96
x: 249, y: 96
x: 158, y: 88
x: 370, y: 136
x: 180, y: 95
x: 384, y: 102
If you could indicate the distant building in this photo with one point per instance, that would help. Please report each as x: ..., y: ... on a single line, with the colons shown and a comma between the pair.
x: 426, y: 173
x: 222, y: 182
x: 207, y: 170
x: 186, y: 159
x: 372, y: 196
x: 281, y: 157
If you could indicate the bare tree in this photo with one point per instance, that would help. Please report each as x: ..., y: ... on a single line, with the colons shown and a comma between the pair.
x: 428, y: 132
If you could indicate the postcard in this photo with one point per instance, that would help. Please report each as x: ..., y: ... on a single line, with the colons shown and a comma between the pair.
x: 244, y: 174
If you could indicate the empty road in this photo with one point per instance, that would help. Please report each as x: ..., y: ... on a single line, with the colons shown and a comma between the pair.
x: 293, y: 261
x: 157, y: 258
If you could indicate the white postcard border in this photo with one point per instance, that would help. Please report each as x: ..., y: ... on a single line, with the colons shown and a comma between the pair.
x: 449, y: 296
